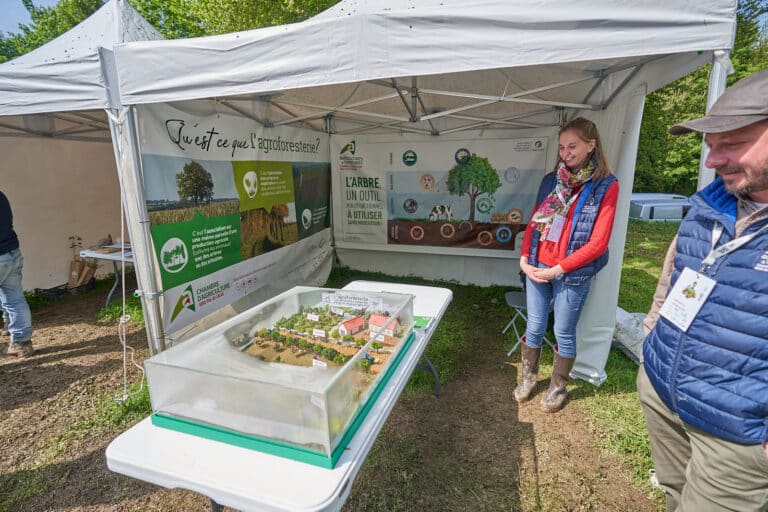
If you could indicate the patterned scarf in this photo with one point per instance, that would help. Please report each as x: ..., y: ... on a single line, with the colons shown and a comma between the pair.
x: 552, y: 205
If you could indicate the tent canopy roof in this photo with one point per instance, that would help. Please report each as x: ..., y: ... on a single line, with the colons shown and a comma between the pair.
x: 434, y: 65
x: 66, y: 74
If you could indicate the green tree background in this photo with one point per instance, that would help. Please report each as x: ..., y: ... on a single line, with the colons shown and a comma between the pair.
x: 667, y: 163
x: 664, y: 163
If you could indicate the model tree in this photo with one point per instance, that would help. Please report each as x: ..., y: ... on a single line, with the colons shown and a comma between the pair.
x: 474, y: 177
x: 194, y: 183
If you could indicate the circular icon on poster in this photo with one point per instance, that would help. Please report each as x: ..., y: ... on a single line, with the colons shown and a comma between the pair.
x: 409, y: 158
x: 503, y: 234
x: 512, y: 175
x: 484, y: 205
x: 515, y: 216
x: 427, y: 181
x: 417, y: 233
x: 173, y: 255
x: 447, y: 230
x: 251, y: 184
x: 410, y: 206
x: 485, y: 238
x: 462, y: 156
x: 306, y: 218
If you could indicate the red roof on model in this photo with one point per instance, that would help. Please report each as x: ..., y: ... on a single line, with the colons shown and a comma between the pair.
x: 353, y: 323
x: 380, y: 321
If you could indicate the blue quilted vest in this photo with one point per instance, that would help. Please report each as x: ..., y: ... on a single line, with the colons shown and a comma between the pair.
x: 714, y: 376
x: 584, y: 217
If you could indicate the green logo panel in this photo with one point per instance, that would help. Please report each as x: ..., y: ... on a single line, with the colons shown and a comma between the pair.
x: 312, y: 182
x: 263, y: 184
x: 188, y: 250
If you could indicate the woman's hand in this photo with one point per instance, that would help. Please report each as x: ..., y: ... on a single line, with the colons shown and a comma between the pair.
x: 530, y: 271
x: 547, y: 274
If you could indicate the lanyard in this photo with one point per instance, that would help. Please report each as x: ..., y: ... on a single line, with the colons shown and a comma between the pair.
x: 715, y: 253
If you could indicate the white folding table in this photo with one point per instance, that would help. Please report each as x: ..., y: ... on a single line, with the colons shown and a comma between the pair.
x: 119, y: 255
x: 250, y: 480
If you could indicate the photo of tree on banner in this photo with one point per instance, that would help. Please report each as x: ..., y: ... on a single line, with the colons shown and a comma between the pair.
x: 194, y: 190
x: 457, y: 209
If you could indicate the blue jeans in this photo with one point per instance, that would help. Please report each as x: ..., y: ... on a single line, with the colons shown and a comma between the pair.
x: 568, y: 302
x: 12, y: 297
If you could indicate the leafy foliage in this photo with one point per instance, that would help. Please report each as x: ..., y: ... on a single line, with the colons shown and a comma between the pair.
x: 671, y: 164
x: 222, y: 16
x: 194, y: 183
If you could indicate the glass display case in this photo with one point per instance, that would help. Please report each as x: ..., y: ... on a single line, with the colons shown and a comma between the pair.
x: 293, y: 376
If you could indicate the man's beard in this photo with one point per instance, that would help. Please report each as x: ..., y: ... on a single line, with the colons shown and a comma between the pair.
x: 754, y: 183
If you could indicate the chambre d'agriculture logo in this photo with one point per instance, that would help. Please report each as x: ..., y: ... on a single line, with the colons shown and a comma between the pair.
x: 186, y: 301
x: 347, y: 159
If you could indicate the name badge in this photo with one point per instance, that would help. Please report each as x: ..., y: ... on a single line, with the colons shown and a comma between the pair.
x: 686, y: 298
x: 556, y: 228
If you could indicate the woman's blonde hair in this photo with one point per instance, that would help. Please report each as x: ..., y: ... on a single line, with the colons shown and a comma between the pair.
x: 586, y: 130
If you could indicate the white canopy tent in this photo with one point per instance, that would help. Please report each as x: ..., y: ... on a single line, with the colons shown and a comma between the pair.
x: 58, y: 165
x: 426, y: 70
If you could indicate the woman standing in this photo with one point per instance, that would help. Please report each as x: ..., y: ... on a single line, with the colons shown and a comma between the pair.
x: 565, y: 244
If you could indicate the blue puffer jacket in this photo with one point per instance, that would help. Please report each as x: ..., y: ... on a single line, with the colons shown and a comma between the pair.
x: 715, y: 375
x: 584, y: 217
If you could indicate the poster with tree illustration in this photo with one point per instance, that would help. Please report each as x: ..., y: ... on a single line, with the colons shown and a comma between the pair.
x: 453, y: 194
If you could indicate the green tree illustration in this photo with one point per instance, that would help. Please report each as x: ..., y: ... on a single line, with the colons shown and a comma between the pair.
x: 194, y: 183
x: 473, y: 178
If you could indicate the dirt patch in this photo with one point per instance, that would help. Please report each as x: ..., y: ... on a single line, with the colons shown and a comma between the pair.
x: 470, y: 449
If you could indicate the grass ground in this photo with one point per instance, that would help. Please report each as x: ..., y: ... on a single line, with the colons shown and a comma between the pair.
x: 472, y: 449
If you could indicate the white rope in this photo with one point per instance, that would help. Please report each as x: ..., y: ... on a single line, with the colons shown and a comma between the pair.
x: 122, y: 325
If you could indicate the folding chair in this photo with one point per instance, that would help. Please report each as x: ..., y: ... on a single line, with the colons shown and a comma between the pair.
x: 516, y: 300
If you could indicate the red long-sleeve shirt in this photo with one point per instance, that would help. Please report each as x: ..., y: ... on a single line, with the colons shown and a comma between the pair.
x: 553, y: 253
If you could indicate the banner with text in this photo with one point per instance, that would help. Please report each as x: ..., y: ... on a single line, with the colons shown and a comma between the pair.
x: 226, y: 198
x: 468, y: 193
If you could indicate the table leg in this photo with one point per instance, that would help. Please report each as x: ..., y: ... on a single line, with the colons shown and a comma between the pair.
x: 428, y: 367
x: 114, y: 286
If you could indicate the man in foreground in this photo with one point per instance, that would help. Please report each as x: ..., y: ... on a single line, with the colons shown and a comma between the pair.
x: 703, y: 385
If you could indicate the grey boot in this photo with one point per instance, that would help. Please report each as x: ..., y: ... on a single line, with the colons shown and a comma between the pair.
x: 557, y: 394
x: 530, y: 358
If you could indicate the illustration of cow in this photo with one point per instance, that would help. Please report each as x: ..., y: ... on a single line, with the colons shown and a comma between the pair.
x: 440, y: 210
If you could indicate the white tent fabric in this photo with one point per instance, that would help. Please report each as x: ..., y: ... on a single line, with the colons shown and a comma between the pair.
x: 367, y: 40
x: 442, y: 66
x: 66, y: 74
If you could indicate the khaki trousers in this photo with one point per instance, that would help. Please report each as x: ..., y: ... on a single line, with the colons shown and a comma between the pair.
x: 699, y: 471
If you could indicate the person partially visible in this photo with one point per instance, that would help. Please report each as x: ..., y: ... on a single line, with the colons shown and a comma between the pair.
x: 703, y: 380
x: 11, y: 292
x: 564, y: 246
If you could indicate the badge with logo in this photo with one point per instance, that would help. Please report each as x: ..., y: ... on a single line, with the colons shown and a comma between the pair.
x: 409, y: 158
x: 762, y: 265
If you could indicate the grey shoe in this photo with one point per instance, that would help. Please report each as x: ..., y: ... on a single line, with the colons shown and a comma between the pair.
x: 20, y: 349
